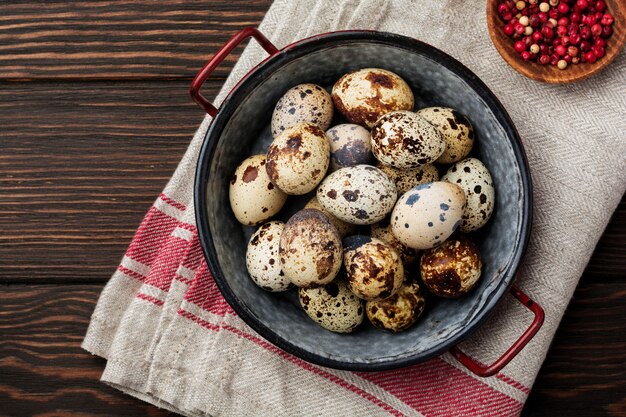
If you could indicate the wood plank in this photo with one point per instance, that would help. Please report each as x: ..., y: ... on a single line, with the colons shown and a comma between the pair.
x: 129, y: 39
x: 585, y: 371
x: 43, y: 371
x: 79, y: 167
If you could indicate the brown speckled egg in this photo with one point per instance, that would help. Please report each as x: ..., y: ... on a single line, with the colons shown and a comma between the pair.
x: 342, y: 227
x: 474, y: 178
x: 363, y: 96
x: 382, y: 231
x: 398, y: 312
x: 403, y: 139
x: 298, y: 158
x: 373, y: 268
x: 456, y: 130
x: 253, y: 197
x: 310, y: 249
x: 332, y: 306
x: 361, y: 194
x: 451, y: 269
x: 262, y: 259
x: 302, y: 103
x: 405, y: 179
x: 428, y: 214
x: 349, y: 146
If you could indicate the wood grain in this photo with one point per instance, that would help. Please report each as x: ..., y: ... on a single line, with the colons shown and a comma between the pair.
x: 80, y: 165
x: 138, y: 39
x: 550, y: 73
x: 43, y: 371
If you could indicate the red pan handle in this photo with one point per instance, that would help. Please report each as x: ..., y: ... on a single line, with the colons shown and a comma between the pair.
x: 210, y: 66
x: 490, y: 370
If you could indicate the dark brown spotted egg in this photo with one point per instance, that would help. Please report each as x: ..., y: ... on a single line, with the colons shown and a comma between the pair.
x: 302, y: 103
x: 374, y: 270
x: 404, y: 139
x: 428, y: 214
x: 310, y: 249
x: 333, y: 306
x: 298, y: 158
x: 361, y: 194
x: 382, y: 230
x: 363, y: 96
x: 456, y: 130
x: 262, y: 259
x: 398, y: 312
x: 451, y: 269
x: 253, y: 197
x: 405, y: 179
x: 349, y: 146
x: 344, y: 228
x: 475, y: 180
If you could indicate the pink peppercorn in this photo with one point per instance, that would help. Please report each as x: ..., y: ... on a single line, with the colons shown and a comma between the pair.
x: 574, y: 38
x: 520, y: 46
x: 582, y: 4
x: 596, y: 30
x: 543, y: 17
x: 563, y: 8
x: 525, y: 55
x: 590, y: 57
x: 572, y: 51
x: 544, y: 59
x: 600, y: 6
x: 585, y: 32
x: 560, y: 50
x: 606, y: 31
x: 503, y: 8
x: 547, y: 32
x: 537, y: 36
x: 508, y: 29
x: 607, y: 19
x: 598, y: 51
x: 563, y: 21
x: 584, y: 46
x: 600, y: 42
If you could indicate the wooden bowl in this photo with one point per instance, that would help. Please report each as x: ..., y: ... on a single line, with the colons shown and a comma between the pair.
x: 550, y: 73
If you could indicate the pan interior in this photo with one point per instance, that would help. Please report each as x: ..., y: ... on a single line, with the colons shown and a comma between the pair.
x: 246, y: 132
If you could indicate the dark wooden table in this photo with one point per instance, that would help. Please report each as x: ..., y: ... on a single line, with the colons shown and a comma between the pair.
x: 94, y: 117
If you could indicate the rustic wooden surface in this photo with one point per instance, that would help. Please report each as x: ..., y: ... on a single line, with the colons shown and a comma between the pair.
x: 94, y: 116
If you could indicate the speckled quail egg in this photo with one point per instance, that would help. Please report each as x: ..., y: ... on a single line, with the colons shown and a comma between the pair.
x: 262, y: 258
x: 363, y: 96
x: 451, y: 269
x: 456, y: 130
x: 342, y: 227
x: 333, y: 306
x: 361, y: 194
x: 298, y: 158
x: 428, y: 214
x: 349, y: 146
x: 404, y: 139
x: 302, y: 103
x: 405, y: 179
x: 374, y: 270
x: 310, y: 249
x: 382, y: 231
x: 475, y: 180
x: 398, y: 312
x: 253, y: 197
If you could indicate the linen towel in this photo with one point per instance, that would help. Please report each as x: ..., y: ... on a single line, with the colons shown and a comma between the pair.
x: 171, y: 339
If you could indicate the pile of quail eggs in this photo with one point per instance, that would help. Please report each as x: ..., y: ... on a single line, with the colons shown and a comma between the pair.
x: 381, y: 228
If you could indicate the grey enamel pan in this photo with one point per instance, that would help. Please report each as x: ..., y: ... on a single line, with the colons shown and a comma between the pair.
x: 240, y: 128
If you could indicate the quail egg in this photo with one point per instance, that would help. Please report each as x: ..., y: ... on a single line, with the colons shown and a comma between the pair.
x: 363, y: 96
x: 310, y: 249
x: 262, y: 258
x: 302, y: 103
x: 298, y: 158
x: 349, y: 146
x: 361, y: 194
x: 405, y: 179
x: 382, y: 231
x: 428, y: 214
x: 332, y: 306
x: 373, y: 268
x: 404, y: 139
x: 398, y: 312
x: 253, y: 197
x: 342, y: 227
x: 475, y: 180
x: 451, y: 269
x: 456, y: 130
